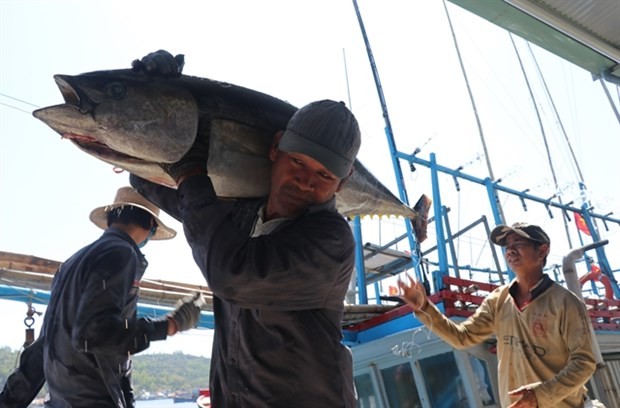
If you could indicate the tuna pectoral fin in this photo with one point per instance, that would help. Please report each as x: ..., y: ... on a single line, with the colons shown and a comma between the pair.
x: 239, y: 163
x: 420, y: 223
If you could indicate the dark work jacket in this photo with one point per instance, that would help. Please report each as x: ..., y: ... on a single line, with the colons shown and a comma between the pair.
x: 89, y: 330
x: 278, y: 298
x: 25, y: 382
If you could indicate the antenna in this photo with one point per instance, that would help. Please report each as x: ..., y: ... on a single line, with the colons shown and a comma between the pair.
x: 346, y: 77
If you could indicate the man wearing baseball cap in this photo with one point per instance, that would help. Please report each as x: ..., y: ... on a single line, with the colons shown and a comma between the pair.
x: 544, y: 345
x: 279, y: 266
x: 91, y: 327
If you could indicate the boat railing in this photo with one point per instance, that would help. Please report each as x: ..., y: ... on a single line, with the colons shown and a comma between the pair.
x: 461, y: 297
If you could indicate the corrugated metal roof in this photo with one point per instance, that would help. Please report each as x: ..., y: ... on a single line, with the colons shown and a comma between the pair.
x: 585, y: 32
x: 599, y: 17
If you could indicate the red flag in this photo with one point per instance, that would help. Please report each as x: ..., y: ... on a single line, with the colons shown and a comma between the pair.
x: 581, y: 224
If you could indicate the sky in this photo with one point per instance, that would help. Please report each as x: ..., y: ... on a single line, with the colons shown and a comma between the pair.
x: 304, y: 51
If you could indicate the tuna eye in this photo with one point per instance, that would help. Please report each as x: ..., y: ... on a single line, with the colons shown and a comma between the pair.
x: 116, y: 90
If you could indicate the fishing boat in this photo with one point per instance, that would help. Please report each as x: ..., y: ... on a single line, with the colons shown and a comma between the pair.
x: 204, y: 398
x: 181, y: 398
x: 400, y: 363
x: 397, y: 361
x: 186, y: 397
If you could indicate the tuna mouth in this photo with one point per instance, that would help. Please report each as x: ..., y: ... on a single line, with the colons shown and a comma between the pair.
x: 72, y: 94
x: 100, y: 150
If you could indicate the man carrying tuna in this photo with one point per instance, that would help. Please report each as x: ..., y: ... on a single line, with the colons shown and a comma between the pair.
x: 279, y: 266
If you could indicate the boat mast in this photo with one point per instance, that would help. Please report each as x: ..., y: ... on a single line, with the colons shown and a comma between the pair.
x: 544, y: 136
x: 413, y: 244
x: 360, y: 269
x: 474, y: 107
x: 557, y: 115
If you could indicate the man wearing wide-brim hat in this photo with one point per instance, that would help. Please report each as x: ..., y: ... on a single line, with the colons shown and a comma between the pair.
x: 544, y: 345
x: 128, y: 198
x: 90, y: 327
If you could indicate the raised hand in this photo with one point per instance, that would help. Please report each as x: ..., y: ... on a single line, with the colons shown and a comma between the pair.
x: 414, y: 293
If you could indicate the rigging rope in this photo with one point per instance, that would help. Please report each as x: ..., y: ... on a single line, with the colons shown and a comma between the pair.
x: 544, y: 136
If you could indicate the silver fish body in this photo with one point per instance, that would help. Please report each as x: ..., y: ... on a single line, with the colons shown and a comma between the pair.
x: 134, y: 121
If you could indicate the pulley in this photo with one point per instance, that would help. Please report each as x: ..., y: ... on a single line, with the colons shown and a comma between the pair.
x: 29, y: 321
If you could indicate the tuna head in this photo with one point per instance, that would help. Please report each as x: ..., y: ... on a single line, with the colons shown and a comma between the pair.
x: 124, y: 113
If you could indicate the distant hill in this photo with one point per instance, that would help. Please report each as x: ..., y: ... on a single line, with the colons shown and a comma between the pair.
x: 169, y: 373
x: 153, y: 374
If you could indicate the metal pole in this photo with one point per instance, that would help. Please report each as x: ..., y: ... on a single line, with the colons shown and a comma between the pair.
x: 391, y: 144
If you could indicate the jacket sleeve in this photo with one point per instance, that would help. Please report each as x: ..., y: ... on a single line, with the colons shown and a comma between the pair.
x: 101, y: 325
x: 163, y: 197
x: 146, y: 331
x: 471, y: 331
x: 25, y: 382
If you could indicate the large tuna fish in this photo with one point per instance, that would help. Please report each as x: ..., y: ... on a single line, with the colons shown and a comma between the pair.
x: 134, y: 121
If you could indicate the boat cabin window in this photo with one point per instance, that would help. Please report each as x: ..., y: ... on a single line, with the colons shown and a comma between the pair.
x: 400, y: 387
x: 443, y: 381
x: 366, y: 397
x: 482, y: 381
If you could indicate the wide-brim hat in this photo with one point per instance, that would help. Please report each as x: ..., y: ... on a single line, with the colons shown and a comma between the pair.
x: 529, y: 231
x: 129, y: 196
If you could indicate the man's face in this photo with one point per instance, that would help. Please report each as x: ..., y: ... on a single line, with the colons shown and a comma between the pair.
x: 298, y: 181
x: 523, y: 254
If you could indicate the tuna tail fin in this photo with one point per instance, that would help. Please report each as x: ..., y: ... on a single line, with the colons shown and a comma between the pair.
x: 420, y: 222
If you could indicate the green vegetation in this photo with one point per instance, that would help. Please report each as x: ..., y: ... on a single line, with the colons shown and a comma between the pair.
x: 8, y: 361
x: 176, y: 373
x: 169, y: 373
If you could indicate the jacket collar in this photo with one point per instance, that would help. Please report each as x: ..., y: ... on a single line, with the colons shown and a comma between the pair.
x: 541, y: 286
x: 113, y: 231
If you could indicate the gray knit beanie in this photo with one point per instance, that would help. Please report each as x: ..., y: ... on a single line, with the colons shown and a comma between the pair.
x: 328, y: 132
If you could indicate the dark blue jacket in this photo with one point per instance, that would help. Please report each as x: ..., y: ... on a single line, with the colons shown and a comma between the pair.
x: 90, y: 330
